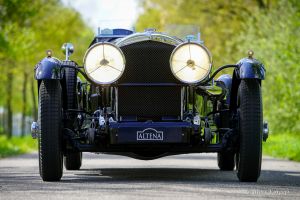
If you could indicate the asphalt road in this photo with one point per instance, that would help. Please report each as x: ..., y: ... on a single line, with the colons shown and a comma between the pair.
x: 192, y: 176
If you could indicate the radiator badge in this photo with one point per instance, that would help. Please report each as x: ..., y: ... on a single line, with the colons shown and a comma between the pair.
x: 150, y: 134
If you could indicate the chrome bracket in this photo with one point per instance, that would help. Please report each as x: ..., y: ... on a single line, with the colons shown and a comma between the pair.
x: 35, y: 130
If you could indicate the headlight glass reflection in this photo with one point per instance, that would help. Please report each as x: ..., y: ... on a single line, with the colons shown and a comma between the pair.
x: 104, y: 63
x: 190, y: 62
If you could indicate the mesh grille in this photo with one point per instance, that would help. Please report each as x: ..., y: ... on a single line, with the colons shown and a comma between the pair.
x: 147, y: 102
x: 148, y: 62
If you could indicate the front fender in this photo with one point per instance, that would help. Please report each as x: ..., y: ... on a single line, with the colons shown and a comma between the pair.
x: 249, y: 68
x: 226, y: 80
x: 48, y: 68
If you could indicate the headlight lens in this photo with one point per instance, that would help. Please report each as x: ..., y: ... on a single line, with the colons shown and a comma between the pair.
x: 104, y: 63
x: 190, y: 62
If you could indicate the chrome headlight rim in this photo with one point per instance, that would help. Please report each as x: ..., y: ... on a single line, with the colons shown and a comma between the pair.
x: 84, y: 63
x: 210, y: 61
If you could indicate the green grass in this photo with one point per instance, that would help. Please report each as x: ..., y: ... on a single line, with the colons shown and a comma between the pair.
x: 283, y: 146
x: 16, y: 145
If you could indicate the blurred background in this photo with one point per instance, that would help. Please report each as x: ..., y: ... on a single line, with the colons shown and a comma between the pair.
x: 228, y: 28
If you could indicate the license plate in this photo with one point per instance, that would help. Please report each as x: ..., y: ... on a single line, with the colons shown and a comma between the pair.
x: 150, y: 134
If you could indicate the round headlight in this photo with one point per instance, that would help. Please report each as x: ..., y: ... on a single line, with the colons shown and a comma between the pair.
x: 190, y: 62
x: 104, y: 63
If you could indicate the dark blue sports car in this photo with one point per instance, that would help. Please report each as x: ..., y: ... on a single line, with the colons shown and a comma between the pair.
x: 148, y: 95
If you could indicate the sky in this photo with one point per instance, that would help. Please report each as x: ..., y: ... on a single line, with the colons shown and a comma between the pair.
x: 106, y: 13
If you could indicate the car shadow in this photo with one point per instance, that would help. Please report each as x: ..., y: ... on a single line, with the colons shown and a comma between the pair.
x: 155, y: 174
x: 182, y: 176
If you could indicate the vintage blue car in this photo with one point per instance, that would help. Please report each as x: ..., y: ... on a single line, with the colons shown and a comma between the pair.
x: 148, y: 95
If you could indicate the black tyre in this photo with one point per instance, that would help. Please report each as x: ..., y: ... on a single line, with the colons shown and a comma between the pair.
x: 50, y: 140
x: 250, y: 131
x: 226, y: 161
x: 72, y: 160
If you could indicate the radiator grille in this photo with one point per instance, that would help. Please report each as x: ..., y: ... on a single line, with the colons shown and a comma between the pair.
x: 147, y: 102
x: 148, y: 62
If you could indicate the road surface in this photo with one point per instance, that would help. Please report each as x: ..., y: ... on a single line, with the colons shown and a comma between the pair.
x: 192, y: 176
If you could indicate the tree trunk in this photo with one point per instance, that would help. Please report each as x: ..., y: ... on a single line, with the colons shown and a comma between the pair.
x: 24, y: 105
x: 34, y: 105
x: 9, y: 111
x: 3, y: 122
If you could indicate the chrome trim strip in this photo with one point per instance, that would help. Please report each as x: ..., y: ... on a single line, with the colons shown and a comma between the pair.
x: 148, y: 36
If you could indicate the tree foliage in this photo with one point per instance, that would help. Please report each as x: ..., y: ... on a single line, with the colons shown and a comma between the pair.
x: 230, y: 28
x: 27, y: 29
x: 275, y: 37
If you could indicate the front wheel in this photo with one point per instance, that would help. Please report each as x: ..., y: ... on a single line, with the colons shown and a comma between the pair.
x: 226, y: 161
x: 73, y: 160
x: 50, y: 139
x: 250, y: 131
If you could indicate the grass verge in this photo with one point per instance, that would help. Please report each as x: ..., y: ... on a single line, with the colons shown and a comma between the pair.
x: 16, y: 145
x: 283, y: 146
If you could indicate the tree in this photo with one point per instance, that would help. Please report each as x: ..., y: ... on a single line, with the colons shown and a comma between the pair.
x: 274, y: 36
x: 219, y: 21
x: 27, y: 29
